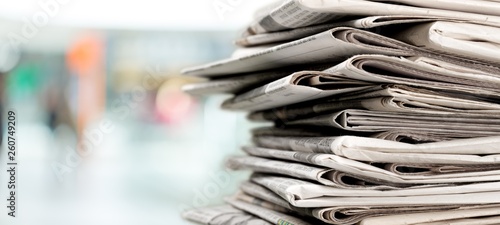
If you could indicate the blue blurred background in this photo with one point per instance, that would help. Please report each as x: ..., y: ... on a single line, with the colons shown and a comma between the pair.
x: 105, y: 136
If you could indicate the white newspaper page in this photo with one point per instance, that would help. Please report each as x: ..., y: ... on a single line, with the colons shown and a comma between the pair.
x: 321, y: 47
x: 471, y: 146
x: 428, y: 218
x: 390, y: 98
x: 296, y: 132
x: 234, y: 84
x: 358, y: 72
x: 261, y: 202
x: 469, y: 40
x: 425, y: 73
x: 304, y: 194
x: 274, y: 217
x: 487, y: 7
x: 489, y: 220
x: 367, y: 171
x: 459, y: 152
x: 363, y: 23
x: 302, y: 13
x: 298, y: 87
x: 245, y: 82
x: 417, y: 137
x: 222, y: 215
x: 342, y: 215
x: 263, y: 193
x: 377, y: 121
x: 296, y: 170
x: 323, y: 175
x: 353, y: 215
x: 330, y: 46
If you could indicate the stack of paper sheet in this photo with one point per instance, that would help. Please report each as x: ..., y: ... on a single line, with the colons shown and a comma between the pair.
x: 383, y: 112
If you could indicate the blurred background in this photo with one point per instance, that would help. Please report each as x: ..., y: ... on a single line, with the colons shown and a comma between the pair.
x: 104, y: 134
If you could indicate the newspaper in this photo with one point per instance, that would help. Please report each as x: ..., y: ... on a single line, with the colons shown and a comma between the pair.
x: 358, y: 173
x: 271, y: 216
x: 222, y: 215
x: 350, y: 75
x: 474, y: 125
x: 244, y: 82
x: 296, y: 170
x: 257, y: 191
x: 234, y: 84
x: 298, y: 87
x: 417, y: 137
x: 459, y: 152
x: 465, y: 216
x: 414, y: 169
x: 487, y: 7
x: 298, y: 132
x: 244, y: 51
x: 363, y: 23
x: 330, y: 46
x: 489, y: 220
x: 393, y: 98
x: 393, y: 135
x: 300, y: 193
x: 325, y: 176
x: 354, y: 215
x: 302, y: 13
x: 265, y: 194
x: 344, y: 215
x: 262, y: 203
x: 420, y: 71
x: 471, y: 40
x: 405, y: 136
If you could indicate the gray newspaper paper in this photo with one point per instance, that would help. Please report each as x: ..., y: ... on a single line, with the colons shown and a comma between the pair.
x: 463, y: 216
x: 361, y: 173
x: 323, y: 175
x: 363, y: 23
x: 222, y: 215
x: 302, y: 13
x: 326, y: 47
x: 300, y: 193
x: 343, y: 215
x: 471, y: 40
x: 377, y: 69
x: 269, y: 215
x: 244, y: 82
x: 392, y: 98
x: 476, y: 125
x: 471, y: 151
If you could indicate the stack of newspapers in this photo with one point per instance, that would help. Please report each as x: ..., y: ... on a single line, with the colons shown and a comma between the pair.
x: 380, y: 112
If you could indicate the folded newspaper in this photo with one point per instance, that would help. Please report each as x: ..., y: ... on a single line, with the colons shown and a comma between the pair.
x: 358, y: 172
x: 244, y: 82
x: 381, y: 112
x: 356, y: 74
x: 332, y: 45
x: 483, y: 150
x: 222, y: 215
x: 474, y: 125
x: 256, y: 194
x: 390, y: 98
x: 301, y: 193
x: 369, y: 22
x: 302, y: 13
